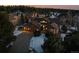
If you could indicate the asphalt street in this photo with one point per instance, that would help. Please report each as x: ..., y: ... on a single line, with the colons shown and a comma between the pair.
x: 21, y: 44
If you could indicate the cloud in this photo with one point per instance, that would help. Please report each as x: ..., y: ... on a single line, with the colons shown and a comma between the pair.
x: 75, y: 7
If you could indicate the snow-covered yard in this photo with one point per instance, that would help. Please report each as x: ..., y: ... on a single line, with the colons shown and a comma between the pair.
x: 37, y: 42
x: 17, y: 32
x: 63, y: 35
x: 73, y: 28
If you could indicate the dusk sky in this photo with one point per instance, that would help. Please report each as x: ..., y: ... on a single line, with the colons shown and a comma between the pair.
x: 75, y: 7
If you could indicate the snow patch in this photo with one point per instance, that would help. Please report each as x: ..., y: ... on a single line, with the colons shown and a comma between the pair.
x: 37, y: 42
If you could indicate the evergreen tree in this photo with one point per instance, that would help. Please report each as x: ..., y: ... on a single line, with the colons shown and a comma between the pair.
x: 71, y: 42
x: 53, y: 44
x: 6, y: 31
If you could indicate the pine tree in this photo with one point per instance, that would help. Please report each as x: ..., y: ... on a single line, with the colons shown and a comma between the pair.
x: 53, y: 44
x: 6, y: 31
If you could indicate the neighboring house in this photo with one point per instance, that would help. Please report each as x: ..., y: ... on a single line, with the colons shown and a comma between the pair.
x: 41, y: 15
x: 14, y: 19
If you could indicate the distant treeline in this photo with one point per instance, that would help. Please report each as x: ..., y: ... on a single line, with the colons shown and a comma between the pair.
x: 32, y: 9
